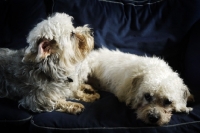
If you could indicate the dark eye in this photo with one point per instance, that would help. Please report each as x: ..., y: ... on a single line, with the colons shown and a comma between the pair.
x: 148, y: 97
x: 167, y: 102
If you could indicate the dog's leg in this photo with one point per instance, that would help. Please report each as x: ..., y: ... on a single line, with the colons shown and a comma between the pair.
x: 87, y: 93
x: 69, y: 107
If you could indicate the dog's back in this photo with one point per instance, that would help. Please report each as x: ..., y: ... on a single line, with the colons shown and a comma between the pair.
x: 111, y: 67
x: 10, y: 62
x: 8, y: 56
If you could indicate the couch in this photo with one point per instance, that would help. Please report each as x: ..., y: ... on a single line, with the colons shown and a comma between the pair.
x: 169, y: 29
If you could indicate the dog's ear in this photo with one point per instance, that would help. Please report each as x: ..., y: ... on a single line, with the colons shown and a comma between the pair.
x: 84, y: 45
x: 85, y: 40
x: 137, y: 81
x: 46, y: 48
x: 82, y: 41
x: 132, y: 98
x: 42, y: 50
x: 187, y: 95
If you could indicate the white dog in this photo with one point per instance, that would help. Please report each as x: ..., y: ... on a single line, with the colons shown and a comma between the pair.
x: 147, y: 84
x: 45, y: 74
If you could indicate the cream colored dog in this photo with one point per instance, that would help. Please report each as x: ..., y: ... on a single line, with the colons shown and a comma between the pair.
x: 44, y: 75
x: 147, y: 84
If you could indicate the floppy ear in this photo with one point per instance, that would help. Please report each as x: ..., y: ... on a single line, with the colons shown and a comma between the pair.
x: 83, y: 46
x: 85, y: 40
x: 82, y: 41
x: 44, y: 50
x: 188, y: 96
x: 137, y: 81
x: 132, y: 98
x: 37, y: 52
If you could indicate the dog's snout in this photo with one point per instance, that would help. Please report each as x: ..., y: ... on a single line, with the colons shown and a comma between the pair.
x: 153, y: 118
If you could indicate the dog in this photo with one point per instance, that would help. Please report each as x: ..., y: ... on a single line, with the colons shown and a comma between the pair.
x: 146, y: 84
x: 43, y: 76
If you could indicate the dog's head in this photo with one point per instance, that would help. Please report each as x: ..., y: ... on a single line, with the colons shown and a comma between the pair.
x: 158, y: 91
x: 56, y: 38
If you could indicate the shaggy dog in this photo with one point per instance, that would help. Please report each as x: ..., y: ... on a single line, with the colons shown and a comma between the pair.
x: 44, y: 74
x: 147, y: 84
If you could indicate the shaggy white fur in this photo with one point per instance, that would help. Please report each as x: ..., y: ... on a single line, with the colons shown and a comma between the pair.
x: 147, y: 84
x: 43, y: 75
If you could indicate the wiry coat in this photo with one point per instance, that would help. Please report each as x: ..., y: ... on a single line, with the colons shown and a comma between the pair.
x: 44, y: 74
x: 37, y: 85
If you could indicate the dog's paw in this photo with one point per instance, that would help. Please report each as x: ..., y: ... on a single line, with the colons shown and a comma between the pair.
x: 69, y: 107
x: 75, y: 108
x: 91, y: 97
x: 185, y: 110
x: 188, y: 109
x: 87, y: 93
x: 88, y: 97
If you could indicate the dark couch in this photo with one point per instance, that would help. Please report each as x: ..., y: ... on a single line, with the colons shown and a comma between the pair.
x: 169, y: 29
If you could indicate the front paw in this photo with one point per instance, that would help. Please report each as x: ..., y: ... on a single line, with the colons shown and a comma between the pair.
x: 185, y: 110
x: 75, y: 108
x: 87, y: 93
x: 188, y: 109
x: 69, y: 107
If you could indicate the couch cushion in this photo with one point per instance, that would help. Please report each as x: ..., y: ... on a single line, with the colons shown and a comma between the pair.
x: 13, y: 118
x: 17, y: 19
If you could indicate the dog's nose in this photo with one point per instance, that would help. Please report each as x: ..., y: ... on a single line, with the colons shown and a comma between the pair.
x: 153, y: 118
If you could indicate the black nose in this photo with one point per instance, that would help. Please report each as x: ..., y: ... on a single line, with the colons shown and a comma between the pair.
x: 153, y: 118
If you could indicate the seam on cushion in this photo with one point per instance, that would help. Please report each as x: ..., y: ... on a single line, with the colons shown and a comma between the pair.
x: 26, y: 119
x: 148, y: 3
x: 110, y: 128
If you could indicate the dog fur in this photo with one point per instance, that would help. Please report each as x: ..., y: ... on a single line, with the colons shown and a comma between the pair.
x: 44, y: 75
x: 147, y: 84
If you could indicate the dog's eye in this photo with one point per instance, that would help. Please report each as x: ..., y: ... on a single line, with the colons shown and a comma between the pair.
x: 167, y: 102
x: 148, y: 97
